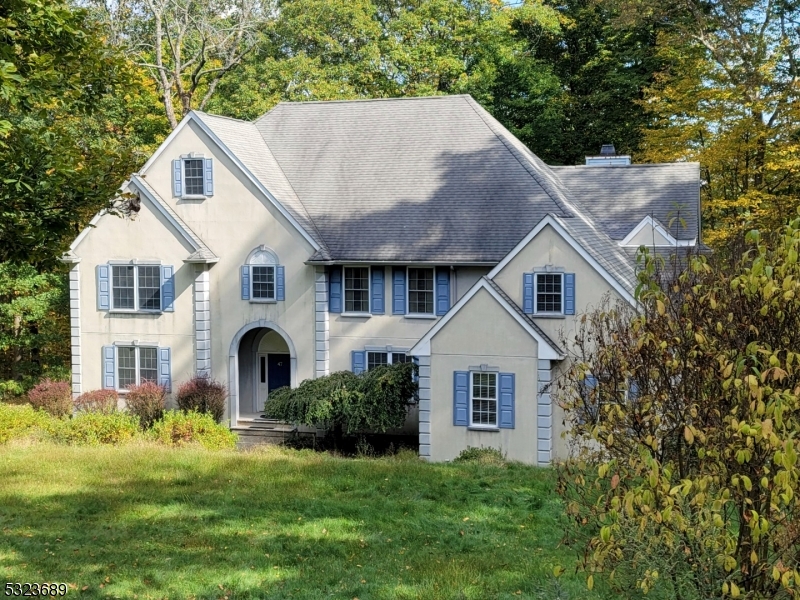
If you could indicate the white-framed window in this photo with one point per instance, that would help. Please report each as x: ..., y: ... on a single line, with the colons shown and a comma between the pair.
x: 483, y: 399
x: 262, y: 264
x: 376, y: 359
x: 549, y: 293
x: 136, y: 287
x: 135, y: 365
x: 421, y: 291
x: 193, y: 176
x: 356, y: 289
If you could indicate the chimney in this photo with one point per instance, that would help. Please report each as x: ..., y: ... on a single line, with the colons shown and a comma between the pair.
x: 608, y: 157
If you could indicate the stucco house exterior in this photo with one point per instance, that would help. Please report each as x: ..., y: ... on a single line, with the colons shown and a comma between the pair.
x: 328, y: 236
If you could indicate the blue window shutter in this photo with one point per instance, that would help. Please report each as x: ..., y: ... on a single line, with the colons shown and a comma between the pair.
x: 506, y: 420
x: 527, y: 293
x: 177, y: 177
x: 168, y: 288
x: 280, y: 283
x: 399, y: 291
x: 164, y: 368
x: 103, y: 287
x: 569, y: 293
x: 208, y: 178
x: 359, y: 361
x: 109, y: 368
x: 378, y: 307
x: 461, y: 398
x: 442, y: 290
x: 245, y: 282
x: 335, y: 290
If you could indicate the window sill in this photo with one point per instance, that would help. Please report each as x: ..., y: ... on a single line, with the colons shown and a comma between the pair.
x: 419, y: 316
x: 357, y: 315
x: 262, y: 301
x: 482, y: 428
x: 549, y: 316
x: 193, y: 197
x: 117, y: 311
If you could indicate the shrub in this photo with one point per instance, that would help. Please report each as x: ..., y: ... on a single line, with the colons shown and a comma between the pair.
x: 483, y: 456
x: 178, y: 428
x: 685, y: 416
x: 204, y: 395
x: 97, y: 401
x: 21, y: 420
x: 95, y: 428
x: 147, y: 401
x: 53, y: 396
x: 373, y: 401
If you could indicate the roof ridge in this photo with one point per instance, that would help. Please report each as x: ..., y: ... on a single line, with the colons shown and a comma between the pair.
x: 216, y: 116
x: 513, y: 151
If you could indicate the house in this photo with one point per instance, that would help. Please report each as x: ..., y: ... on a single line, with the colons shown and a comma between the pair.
x: 327, y: 236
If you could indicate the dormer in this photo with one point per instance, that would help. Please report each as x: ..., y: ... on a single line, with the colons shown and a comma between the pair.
x: 649, y: 232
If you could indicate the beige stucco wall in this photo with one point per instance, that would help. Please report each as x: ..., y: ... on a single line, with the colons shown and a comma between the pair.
x: 466, y: 277
x: 147, y: 237
x: 482, y: 332
x: 549, y: 248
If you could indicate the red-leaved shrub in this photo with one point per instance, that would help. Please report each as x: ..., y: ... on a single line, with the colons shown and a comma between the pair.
x: 53, y: 396
x: 97, y: 401
x: 147, y: 401
x: 204, y: 395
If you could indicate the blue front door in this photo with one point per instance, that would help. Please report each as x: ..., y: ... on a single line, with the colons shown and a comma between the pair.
x: 278, y: 373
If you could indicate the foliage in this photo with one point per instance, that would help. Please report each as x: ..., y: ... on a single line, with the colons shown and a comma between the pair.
x: 20, y: 421
x: 686, y: 438
x: 376, y: 400
x: 147, y: 401
x: 484, y: 456
x: 728, y: 99
x: 97, y: 401
x: 60, y: 160
x: 55, y: 397
x: 177, y: 428
x: 95, y: 428
x: 377, y: 528
x: 34, y: 328
x: 203, y: 394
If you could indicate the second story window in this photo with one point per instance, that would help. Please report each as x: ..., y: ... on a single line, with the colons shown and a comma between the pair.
x: 263, y: 283
x: 136, y: 287
x: 356, y: 289
x: 549, y: 293
x: 193, y: 176
x: 420, y: 291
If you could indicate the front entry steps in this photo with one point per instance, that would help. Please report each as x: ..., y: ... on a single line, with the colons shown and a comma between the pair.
x: 256, y: 431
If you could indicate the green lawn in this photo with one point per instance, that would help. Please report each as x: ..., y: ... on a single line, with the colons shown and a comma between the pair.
x: 150, y: 522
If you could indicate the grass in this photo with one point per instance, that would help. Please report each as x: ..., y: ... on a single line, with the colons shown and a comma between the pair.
x: 142, y: 521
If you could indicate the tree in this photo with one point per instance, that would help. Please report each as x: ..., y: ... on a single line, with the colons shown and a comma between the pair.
x: 60, y: 160
x: 728, y: 99
x: 187, y: 46
x: 684, y: 417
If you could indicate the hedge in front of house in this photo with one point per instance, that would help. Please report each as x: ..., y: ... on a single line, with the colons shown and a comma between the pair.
x: 374, y: 401
x: 178, y: 428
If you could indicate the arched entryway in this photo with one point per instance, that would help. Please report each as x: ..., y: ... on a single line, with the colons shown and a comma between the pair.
x: 262, y: 358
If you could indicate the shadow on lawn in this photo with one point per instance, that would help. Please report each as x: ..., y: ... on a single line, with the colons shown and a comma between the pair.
x: 249, y: 527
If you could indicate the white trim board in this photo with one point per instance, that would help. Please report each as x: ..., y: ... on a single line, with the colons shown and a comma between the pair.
x: 558, y: 228
x: 423, y: 346
x: 648, y: 220
x: 196, y: 118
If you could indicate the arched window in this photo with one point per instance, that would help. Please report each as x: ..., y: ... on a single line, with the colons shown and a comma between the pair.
x: 262, y: 271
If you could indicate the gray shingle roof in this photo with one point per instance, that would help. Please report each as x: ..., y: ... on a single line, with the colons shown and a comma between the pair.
x: 423, y: 179
x: 618, y: 198
x: 439, y: 180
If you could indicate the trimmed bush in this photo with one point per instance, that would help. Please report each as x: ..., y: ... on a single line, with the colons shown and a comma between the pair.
x: 147, y: 401
x: 22, y: 420
x: 483, y: 456
x: 53, y: 396
x: 178, y: 428
x: 204, y: 395
x: 95, y: 428
x: 97, y: 401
